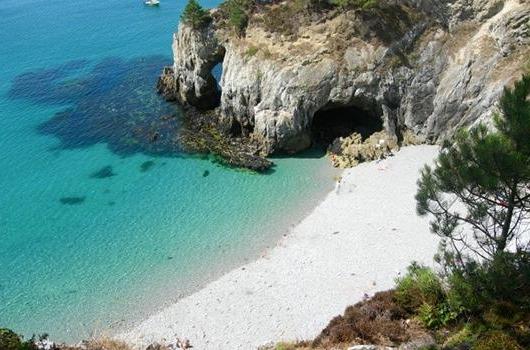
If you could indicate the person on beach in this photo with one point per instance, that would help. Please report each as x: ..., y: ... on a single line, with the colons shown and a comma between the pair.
x: 337, y: 188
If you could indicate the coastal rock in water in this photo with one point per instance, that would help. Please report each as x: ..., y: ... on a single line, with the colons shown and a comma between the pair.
x: 424, y: 67
x: 166, y: 85
x: 201, y: 133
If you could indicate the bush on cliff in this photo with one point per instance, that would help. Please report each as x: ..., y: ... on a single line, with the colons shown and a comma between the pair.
x: 358, y: 4
x: 236, y: 14
x: 421, y: 292
x: 375, y: 320
x: 9, y: 340
x: 194, y: 15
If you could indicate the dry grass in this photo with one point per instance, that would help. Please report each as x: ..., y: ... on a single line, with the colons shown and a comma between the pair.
x: 106, y: 343
x: 378, y: 320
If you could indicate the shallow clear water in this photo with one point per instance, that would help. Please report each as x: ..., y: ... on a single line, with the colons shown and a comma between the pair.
x: 99, y: 226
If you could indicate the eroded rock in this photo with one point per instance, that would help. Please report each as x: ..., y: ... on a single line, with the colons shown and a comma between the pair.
x: 444, y: 69
x: 349, y: 151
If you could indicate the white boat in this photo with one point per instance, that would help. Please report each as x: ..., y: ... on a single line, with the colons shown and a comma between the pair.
x: 152, y: 2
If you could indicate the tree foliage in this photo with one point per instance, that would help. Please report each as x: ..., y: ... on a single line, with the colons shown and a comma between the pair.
x: 237, y: 14
x: 194, y: 15
x: 478, y: 190
x: 9, y: 340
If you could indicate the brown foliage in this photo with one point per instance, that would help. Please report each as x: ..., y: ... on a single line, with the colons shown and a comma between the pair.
x: 378, y: 320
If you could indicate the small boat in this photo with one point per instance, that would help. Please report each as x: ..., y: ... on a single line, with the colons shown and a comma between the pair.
x: 152, y: 2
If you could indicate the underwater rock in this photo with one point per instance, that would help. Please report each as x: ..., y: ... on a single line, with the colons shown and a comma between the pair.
x: 146, y: 166
x: 205, y: 173
x: 125, y: 112
x: 103, y: 173
x: 72, y: 200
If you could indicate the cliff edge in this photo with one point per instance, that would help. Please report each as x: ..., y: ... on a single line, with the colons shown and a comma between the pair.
x: 417, y: 67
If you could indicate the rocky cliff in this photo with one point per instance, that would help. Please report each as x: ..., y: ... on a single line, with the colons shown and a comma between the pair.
x: 425, y: 67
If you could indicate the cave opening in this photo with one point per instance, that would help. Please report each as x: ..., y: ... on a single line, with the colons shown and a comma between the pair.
x: 217, y: 73
x: 332, y: 122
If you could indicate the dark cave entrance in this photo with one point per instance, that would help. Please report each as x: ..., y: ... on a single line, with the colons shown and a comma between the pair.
x: 332, y: 122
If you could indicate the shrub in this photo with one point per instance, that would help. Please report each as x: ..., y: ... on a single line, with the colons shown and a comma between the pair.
x: 194, y: 15
x: 9, y: 340
x: 496, y: 340
x: 496, y: 291
x: 464, y: 338
x: 236, y: 13
x: 418, y: 287
x: 357, y: 4
x: 436, y: 316
x: 251, y: 51
x: 376, y: 320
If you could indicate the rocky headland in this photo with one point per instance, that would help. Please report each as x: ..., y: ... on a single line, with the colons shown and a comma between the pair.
x: 415, y: 69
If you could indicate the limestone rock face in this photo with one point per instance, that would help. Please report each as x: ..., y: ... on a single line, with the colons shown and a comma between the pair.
x: 444, y: 70
x: 196, y: 52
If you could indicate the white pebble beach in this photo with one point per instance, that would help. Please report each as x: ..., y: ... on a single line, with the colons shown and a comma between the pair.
x: 354, y: 243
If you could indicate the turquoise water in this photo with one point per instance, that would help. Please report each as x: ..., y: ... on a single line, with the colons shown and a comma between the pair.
x: 100, y: 226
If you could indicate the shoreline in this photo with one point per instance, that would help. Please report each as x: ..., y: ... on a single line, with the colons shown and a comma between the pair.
x: 262, y: 245
x: 327, y: 261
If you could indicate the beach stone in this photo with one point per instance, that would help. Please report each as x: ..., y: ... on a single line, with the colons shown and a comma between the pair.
x: 426, y: 341
x: 370, y: 347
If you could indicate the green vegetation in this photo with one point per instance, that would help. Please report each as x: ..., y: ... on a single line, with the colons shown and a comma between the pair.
x: 9, y: 340
x: 496, y: 340
x: 480, y: 298
x: 251, y: 51
x: 357, y: 4
x: 194, y: 15
x: 479, y: 184
x: 483, y: 306
x: 480, y: 181
x: 421, y: 292
x: 236, y: 14
x: 284, y: 17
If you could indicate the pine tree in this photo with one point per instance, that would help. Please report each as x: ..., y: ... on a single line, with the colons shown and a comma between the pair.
x: 194, y: 15
x: 479, y: 188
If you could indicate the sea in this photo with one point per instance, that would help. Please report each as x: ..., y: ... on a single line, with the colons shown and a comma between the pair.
x: 101, y: 227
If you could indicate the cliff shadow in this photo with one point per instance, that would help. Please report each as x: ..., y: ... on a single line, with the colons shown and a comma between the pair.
x: 113, y: 101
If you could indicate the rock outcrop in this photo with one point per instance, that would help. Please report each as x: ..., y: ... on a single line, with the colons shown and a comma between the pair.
x: 349, y: 151
x: 425, y: 67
